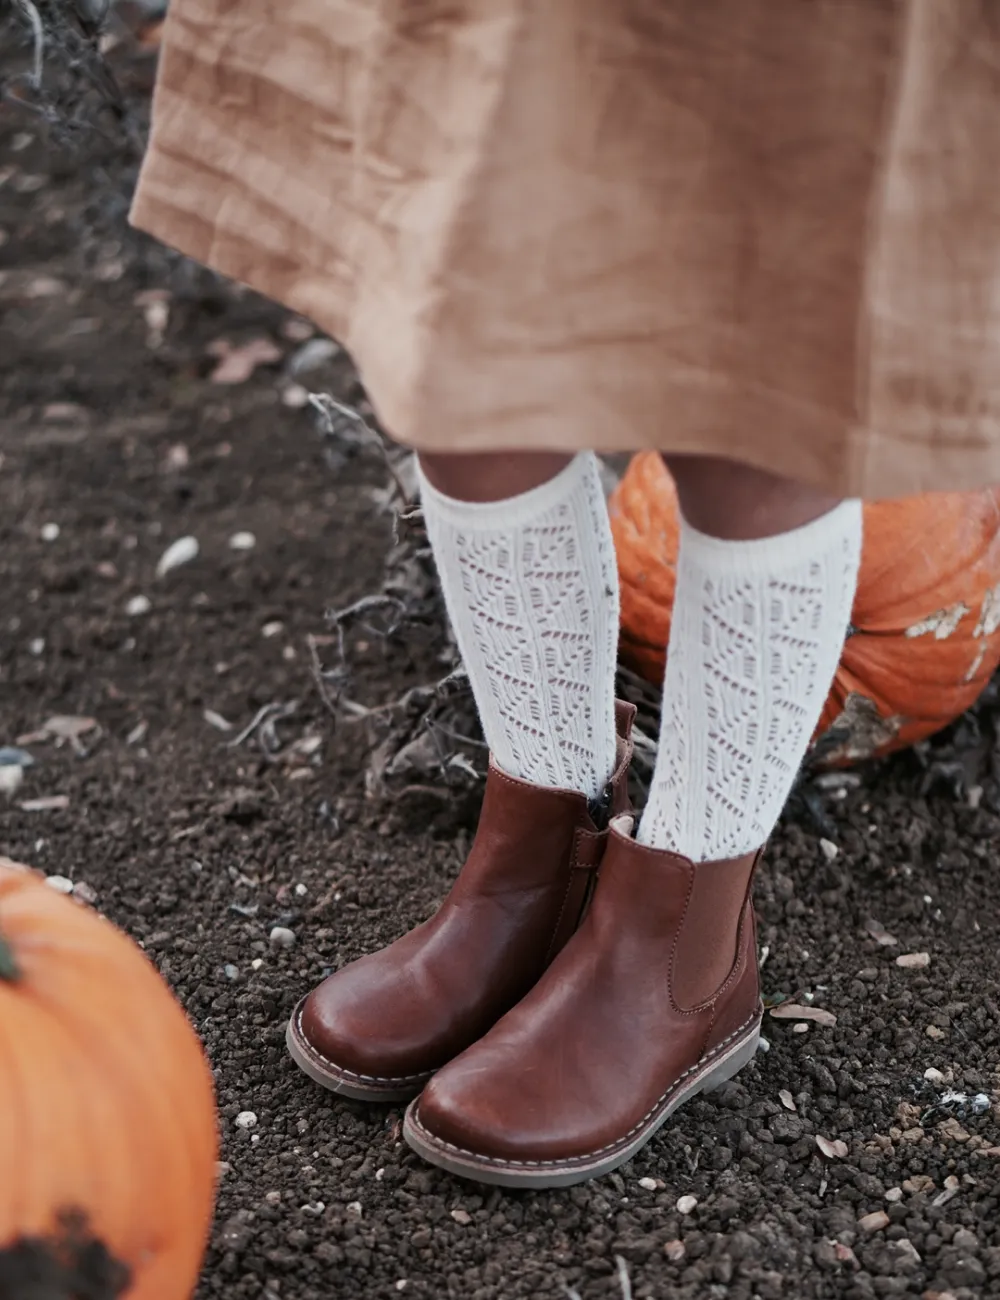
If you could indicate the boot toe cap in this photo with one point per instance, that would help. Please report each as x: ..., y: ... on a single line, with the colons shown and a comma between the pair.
x: 360, y: 1034
x: 496, y: 1115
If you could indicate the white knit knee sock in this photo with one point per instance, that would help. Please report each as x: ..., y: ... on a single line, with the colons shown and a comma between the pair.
x: 755, y: 637
x: 531, y: 588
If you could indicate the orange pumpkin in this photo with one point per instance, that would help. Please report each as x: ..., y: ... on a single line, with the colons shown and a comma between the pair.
x: 925, y: 634
x: 107, y: 1113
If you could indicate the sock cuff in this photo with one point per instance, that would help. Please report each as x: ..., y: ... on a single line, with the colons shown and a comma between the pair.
x: 766, y: 556
x: 513, y: 511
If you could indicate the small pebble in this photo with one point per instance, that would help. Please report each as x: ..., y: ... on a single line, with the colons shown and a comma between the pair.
x: 85, y: 893
x: 301, y: 890
x: 686, y: 1204
x: 242, y: 542
x: 61, y: 884
x: 138, y: 606
x: 763, y: 1044
x: 273, y: 1198
x: 311, y: 355
x: 254, y: 1139
x: 800, y: 1028
x: 402, y: 1284
x: 462, y: 1216
x: 933, y: 1076
x: 379, y: 1175
x: 257, y: 963
x: 828, y: 849
x: 183, y: 551
x: 675, y: 1251
x: 354, y: 1207
x: 914, y: 960
x: 37, y: 646
x: 50, y: 532
x: 874, y: 1222
x: 230, y: 971
x: 223, y: 1167
x: 648, y: 1184
x: 295, y: 397
x: 246, y: 1119
x: 272, y: 629
x: 894, y: 1195
x: 11, y: 776
x: 281, y: 937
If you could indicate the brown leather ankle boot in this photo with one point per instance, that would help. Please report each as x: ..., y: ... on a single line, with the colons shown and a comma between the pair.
x: 378, y: 1029
x: 654, y: 998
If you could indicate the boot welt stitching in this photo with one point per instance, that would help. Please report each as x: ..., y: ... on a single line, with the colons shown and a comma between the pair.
x: 569, y: 1161
x: 325, y: 1063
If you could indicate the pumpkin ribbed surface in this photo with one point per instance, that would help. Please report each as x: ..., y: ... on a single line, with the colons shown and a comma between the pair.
x: 925, y: 635
x: 106, y: 1101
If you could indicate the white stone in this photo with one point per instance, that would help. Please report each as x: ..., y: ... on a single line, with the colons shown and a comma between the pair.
x: 50, y: 532
x: 281, y: 937
x: 686, y: 1204
x: 11, y: 776
x: 183, y: 551
x: 242, y: 542
x: 246, y: 1119
x: 61, y: 884
x: 138, y: 606
x: 648, y: 1184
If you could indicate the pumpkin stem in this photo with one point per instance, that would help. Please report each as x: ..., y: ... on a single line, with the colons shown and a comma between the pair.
x: 8, y: 966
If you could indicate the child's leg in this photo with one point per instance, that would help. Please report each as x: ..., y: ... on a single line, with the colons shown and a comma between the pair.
x: 524, y: 549
x: 527, y: 565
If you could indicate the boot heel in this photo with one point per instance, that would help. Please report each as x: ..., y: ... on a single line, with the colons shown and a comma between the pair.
x: 733, y: 1063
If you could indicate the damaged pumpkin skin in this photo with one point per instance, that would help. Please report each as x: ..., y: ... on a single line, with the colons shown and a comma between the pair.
x: 925, y: 634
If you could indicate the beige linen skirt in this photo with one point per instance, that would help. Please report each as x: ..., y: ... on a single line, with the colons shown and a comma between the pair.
x: 761, y: 229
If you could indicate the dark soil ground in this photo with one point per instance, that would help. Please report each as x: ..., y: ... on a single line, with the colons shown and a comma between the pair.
x: 198, y: 846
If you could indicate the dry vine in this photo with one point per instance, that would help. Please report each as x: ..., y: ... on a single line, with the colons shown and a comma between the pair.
x: 429, y: 737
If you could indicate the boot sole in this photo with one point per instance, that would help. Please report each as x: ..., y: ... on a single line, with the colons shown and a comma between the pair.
x: 711, y: 1072
x: 344, y: 1082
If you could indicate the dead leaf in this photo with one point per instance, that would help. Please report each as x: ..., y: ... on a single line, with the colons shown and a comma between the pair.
x: 68, y: 726
x: 880, y: 934
x: 793, y: 1011
x: 61, y: 726
x: 237, y: 364
x: 914, y: 960
x: 835, y: 1150
x: 48, y: 803
x: 786, y: 1099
